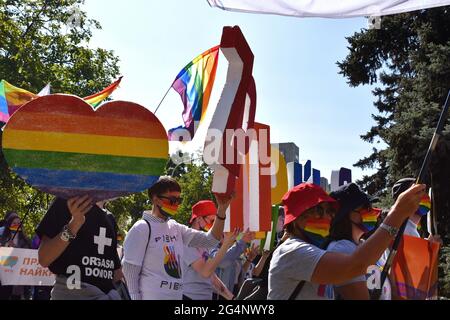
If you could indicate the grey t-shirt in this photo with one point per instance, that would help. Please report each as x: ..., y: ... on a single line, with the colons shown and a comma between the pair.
x: 346, y: 247
x: 195, y: 286
x: 295, y: 260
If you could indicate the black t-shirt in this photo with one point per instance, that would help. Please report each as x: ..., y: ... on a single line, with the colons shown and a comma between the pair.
x: 94, y: 251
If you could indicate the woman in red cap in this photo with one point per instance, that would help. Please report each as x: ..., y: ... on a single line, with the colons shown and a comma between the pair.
x: 301, y: 270
x: 200, y: 279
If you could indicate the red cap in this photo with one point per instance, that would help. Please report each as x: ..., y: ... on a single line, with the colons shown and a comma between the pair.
x: 202, y: 209
x: 303, y: 197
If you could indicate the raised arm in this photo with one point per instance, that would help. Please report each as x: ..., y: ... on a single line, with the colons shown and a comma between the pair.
x: 223, y: 202
x: 208, y: 268
x: 51, y: 249
x: 261, y: 263
x: 370, y: 251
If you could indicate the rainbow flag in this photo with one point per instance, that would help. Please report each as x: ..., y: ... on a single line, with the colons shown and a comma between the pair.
x: 424, y: 206
x: 194, y: 84
x: 11, y: 99
x: 370, y: 218
x: 96, y: 99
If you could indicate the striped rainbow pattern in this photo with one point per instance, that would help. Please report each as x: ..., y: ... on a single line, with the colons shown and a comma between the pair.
x: 424, y: 205
x: 14, y: 227
x: 170, y: 209
x: 370, y: 217
x: 194, y: 84
x: 319, y: 227
x: 61, y: 146
x: 11, y: 99
x: 96, y: 99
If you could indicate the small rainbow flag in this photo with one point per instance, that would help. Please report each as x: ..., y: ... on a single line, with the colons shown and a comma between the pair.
x: 96, y: 99
x: 424, y: 206
x: 369, y: 218
x: 194, y: 84
x: 11, y: 99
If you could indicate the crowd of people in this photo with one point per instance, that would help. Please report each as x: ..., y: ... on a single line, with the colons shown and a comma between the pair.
x: 325, y: 246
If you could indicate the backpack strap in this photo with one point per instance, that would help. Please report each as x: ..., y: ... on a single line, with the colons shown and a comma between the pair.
x: 297, y: 290
x: 149, y: 235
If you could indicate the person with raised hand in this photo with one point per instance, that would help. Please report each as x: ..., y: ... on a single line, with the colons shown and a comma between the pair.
x: 200, y: 279
x: 78, y: 244
x: 154, y: 246
x: 301, y: 270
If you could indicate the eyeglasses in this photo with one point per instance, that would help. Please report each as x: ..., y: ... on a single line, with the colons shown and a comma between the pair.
x: 321, y: 211
x: 172, y: 200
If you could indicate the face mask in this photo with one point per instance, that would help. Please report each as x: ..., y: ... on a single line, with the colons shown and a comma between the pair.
x: 316, y: 230
x: 207, y: 227
x: 14, y: 227
x: 424, y: 206
x: 167, y: 209
x: 369, y: 219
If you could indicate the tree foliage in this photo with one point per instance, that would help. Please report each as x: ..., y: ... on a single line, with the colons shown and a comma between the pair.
x: 195, y: 179
x: 408, y: 60
x: 45, y: 41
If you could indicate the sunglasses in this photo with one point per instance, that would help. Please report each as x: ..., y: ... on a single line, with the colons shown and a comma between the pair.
x: 322, y: 211
x: 172, y: 200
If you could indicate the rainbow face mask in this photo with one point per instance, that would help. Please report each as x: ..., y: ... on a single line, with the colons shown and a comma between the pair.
x: 369, y: 219
x: 207, y: 227
x: 424, y: 206
x: 316, y: 230
x: 14, y: 227
x: 169, y: 210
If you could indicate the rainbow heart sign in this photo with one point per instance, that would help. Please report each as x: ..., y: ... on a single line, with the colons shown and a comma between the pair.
x: 60, y: 145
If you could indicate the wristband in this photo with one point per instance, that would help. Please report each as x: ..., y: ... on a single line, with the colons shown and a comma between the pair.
x: 390, y: 229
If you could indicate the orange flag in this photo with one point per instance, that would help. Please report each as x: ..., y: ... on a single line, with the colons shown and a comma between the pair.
x: 415, y: 269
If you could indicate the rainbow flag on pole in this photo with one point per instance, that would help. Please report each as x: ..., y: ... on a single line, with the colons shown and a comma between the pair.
x: 96, y: 99
x: 194, y: 84
x: 11, y: 99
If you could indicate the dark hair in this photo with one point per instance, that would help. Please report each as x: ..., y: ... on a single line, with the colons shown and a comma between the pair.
x: 7, y: 235
x: 164, y: 184
x: 290, y: 228
x: 340, y: 230
x: 7, y: 215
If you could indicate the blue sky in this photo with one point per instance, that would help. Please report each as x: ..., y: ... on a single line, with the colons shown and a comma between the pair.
x: 300, y: 93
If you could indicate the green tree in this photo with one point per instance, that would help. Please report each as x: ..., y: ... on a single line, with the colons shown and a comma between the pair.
x: 46, y: 41
x: 195, y: 179
x: 408, y: 60
x: 196, y: 185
